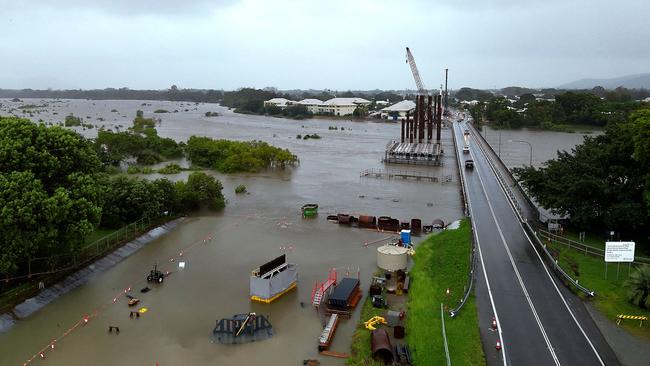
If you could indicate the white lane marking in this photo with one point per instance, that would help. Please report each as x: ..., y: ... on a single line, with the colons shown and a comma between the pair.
x: 487, y: 281
x: 549, y: 274
x: 514, y: 266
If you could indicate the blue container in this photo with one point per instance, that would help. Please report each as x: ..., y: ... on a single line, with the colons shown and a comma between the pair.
x: 406, y: 237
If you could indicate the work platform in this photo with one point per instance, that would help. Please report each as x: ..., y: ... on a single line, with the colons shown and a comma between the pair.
x: 413, y: 153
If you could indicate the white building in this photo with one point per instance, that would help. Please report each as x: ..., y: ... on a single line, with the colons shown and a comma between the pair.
x: 398, y: 110
x: 382, y: 102
x: 312, y: 104
x: 341, y: 106
x: 279, y: 102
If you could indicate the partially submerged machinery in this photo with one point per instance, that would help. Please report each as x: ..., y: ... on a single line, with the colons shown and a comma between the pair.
x: 242, y: 328
x: 155, y: 275
x: 273, y: 279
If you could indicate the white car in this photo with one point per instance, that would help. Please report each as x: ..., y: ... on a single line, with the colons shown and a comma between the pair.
x: 466, y: 149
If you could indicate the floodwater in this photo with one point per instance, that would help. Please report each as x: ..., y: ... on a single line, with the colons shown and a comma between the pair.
x: 252, y: 229
x: 512, y: 145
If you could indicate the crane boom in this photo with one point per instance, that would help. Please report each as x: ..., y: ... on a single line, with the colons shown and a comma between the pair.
x: 414, y: 69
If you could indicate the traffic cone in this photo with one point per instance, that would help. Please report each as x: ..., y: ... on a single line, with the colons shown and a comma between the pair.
x: 498, y: 346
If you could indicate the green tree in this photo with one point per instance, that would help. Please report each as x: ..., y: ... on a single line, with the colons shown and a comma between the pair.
x: 638, y: 287
x: 524, y: 100
x: 50, y: 190
x: 128, y: 199
x: 600, y: 184
x: 201, y: 191
x: 236, y: 156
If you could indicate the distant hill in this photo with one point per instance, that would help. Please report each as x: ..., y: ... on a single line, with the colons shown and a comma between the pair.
x: 637, y: 81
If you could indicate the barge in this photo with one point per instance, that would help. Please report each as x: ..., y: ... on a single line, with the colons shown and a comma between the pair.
x: 273, y: 279
x: 345, y: 297
x: 327, y: 334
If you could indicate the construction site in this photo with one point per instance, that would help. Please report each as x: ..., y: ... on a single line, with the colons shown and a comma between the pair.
x: 416, y: 145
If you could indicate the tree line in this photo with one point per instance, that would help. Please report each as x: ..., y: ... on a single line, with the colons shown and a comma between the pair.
x: 54, y: 189
x: 602, y: 184
x: 171, y: 94
x: 569, y: 108
x: 237, y: 156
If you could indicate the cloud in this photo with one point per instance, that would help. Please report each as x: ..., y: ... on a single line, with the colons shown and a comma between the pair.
x: 334, y: 44
x: 168, y: 8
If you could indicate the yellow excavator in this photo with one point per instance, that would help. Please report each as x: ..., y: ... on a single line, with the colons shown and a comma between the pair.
x: 370, y: 323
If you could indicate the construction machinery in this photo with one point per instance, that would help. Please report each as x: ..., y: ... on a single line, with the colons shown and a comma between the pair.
x: 416, y: 74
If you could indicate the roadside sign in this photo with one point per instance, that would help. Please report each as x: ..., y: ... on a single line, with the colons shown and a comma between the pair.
x: 619, y: 251
x: 553, y: 226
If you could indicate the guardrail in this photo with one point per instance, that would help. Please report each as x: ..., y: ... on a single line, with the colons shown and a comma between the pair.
x: 468, y: 288
x: 553, y: 262
x: 515, y: 182
x: 582, y: 247
x: 470, y: 280
x: 460, y: 174
x: 444, y: 335
x: 515, y: 204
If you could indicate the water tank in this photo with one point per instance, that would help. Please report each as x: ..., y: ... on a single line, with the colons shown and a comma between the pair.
x: 391, y: 257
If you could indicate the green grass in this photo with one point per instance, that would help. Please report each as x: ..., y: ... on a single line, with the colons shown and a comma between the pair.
x: 610, y: 296
x: 598, y: 241
x: 442, y: 262
x: 361, y: 352
x: 590, y: 238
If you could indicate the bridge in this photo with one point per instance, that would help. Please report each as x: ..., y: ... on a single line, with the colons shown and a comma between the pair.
x: 539, y: 320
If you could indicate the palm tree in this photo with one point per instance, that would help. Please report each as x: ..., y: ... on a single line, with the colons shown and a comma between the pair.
x: 638, y: 287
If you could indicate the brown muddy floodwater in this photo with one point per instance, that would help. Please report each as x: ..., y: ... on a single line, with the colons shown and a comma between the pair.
x: 545, y: 144
x: 252, y: 229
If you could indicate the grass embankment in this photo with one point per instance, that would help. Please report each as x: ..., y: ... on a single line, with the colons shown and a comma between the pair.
x: 442, y: 262
x: 611, y: 293
x: 361, y: 352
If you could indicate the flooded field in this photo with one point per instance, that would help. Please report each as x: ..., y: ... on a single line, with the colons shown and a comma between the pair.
x: 252, y: 229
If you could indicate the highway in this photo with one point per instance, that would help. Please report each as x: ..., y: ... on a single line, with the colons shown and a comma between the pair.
x: 539, y: 322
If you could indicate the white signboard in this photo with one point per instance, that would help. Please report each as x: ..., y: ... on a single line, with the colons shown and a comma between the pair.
x: 619, y: 251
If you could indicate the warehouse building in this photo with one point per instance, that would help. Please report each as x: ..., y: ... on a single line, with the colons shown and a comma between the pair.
x: 312, y: 104
x: 279, y: 102
x: 398, y: 110
x: 342, y: 106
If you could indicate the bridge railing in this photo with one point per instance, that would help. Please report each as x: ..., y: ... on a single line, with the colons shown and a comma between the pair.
x: 518, y: 210
x: 554, y: 263
x: 513, y: 182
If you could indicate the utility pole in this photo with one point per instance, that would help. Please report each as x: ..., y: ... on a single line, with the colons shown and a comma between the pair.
x: 446, y: 91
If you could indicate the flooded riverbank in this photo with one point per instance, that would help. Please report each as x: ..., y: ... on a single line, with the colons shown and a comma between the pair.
x: 253, y: 228
x: 513, y: 148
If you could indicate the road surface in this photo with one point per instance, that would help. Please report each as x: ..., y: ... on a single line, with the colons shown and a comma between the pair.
x: 539, y: 321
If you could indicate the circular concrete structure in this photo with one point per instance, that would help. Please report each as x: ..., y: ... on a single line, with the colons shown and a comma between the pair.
x: 391, y: 257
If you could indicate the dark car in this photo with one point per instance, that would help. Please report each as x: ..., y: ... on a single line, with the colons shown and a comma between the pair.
x: 469, y: 164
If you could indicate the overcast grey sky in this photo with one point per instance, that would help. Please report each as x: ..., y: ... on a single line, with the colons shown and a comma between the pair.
x: 334, y: 44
